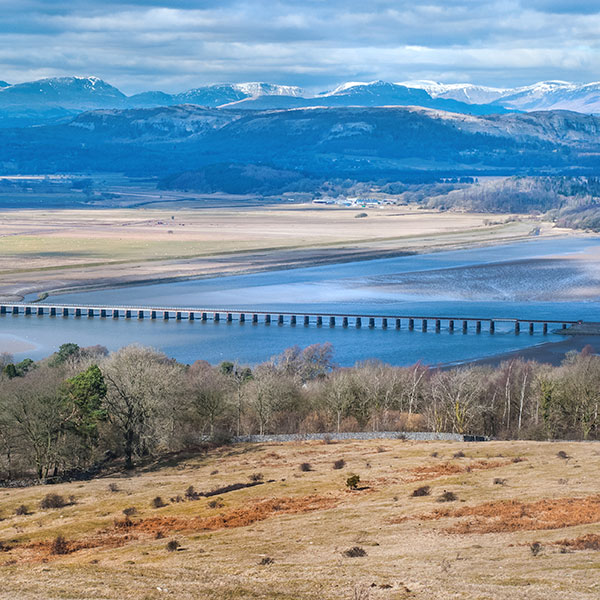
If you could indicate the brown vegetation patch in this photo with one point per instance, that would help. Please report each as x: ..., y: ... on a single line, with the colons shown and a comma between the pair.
x: 511, y: 515
x: 46, y: 549
x: 237, y: 517
x: 590, y: 541
x: 434, y: 471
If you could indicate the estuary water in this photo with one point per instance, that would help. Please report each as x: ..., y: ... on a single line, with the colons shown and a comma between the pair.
x: 537, y: 279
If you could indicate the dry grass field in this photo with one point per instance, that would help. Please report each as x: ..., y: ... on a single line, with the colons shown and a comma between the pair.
x: 43, y: 250
x: 521, y: 521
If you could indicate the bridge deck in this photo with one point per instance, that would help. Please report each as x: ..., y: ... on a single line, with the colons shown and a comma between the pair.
x: 210, y: 312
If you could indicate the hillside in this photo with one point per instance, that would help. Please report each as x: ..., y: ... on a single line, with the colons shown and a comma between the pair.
x: 364, y: 144
x: 520, y: 520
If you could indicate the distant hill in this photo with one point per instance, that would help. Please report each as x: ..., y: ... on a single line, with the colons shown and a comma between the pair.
x: 357, y: 143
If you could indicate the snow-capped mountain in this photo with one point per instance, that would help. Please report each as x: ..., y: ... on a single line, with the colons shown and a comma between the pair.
x: 463, y: 92
x: 543, y: 95
x: 67, y: 92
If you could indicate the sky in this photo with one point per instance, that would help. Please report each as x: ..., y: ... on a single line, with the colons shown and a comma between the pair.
x: 174, y: 45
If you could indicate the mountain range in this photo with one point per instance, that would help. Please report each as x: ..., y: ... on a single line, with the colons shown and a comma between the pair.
x: 270, y: 151
x: 59, y: 99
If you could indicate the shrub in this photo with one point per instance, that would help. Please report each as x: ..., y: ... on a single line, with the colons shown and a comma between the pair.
x: 353, y: 481
x: 59, y: 545
x: 157, y: 502
x: 22, y: 510
x: 159, y: 535
x: 173, y: 545
x: 214, y: 472
x: 306, y: 467
x: 267, y: 560
x: 448, y: 497
x: 355, y: 552
x: 129, y: 512
x: 499, y: 481
x: 216, y: 503
x: 339, y: 464
x: 113, y: 487
x: 53, y: 501
x: 459, y: 454
x: 125, y: 523
x: 256, y: 477
x: 424, y: 490
x: 191, y: 493
x: 517, y: 459
x: 360, y: 215
x: 434, y: 454
x: 535, y: 548
x: 562, y: 454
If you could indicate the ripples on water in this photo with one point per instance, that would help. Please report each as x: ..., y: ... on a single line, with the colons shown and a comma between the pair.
x: 525, y: 280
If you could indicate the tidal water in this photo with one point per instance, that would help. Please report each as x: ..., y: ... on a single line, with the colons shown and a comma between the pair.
x: 538, y: 279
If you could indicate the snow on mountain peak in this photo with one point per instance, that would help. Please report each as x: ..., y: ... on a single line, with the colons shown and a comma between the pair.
x: 257, y: 88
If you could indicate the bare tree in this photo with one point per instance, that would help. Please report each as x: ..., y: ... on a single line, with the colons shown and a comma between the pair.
x: 143, y: 387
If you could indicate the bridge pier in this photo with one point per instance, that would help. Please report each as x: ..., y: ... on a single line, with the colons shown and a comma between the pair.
x: 319, y: 321
x: 358, y: 322
x: 2, y: 310
x: 15, y: 310
x: 411, y: 324
x: 331, y: 321
x: 545, y: 329
x: 478, y: 327
x: 53, y: 311
x: 90, y: 312
x: 153, y: 314
x: 115, y: 313
x: 242, y: 318
x: 424, y: 325
x: 166, y: 315
x: 517, y: 327
x: 306, y: 320
x: 28, y: 310
x: 451, y: 326
x: 371, y: 322
x: 229, y: 317
x: 384, y: 323
x: 530, y: 328
x: 345, y: 322
x: 65, y: 312
x: 255, y: 318
x: 280, y: 320
x: 178, y: 315
x: 103, y: 313
x: 204, y: 316
x: 191, y: 316
x: 492, y: 327
x: 140, y: 314
x: 267, y: 319
x: 128, y: 314
x: 77, y: 312
x: 438, y: 325
x: 564, y: 325
x: 216, y: 317
x: 465, y: 327
x: 40, y: 311
x: 293, y: 320
x: 398, y: 323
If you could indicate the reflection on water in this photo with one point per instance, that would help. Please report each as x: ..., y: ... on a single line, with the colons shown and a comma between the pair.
x: 518, y: 280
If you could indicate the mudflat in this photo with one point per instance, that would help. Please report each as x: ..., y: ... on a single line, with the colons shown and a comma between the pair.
x: 53, y: 250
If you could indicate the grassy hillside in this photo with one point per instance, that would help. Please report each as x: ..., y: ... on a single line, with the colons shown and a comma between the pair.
x: 525, y: 524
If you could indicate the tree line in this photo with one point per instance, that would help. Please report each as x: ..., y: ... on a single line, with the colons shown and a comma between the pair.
x: 81, y: 407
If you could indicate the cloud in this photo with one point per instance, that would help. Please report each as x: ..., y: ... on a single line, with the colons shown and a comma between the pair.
x: 176, y: 44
